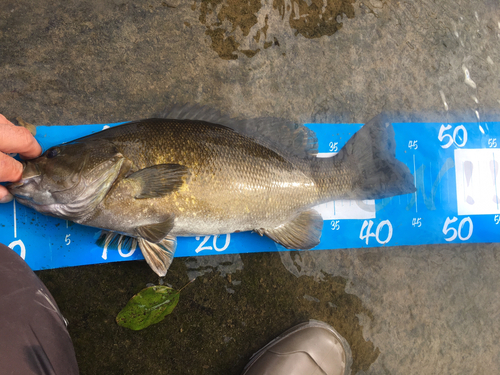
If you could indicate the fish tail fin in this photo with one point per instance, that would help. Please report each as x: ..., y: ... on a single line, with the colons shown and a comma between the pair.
x: 366, y: 167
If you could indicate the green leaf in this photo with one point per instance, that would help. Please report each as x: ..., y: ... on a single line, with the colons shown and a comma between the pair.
x: 149, y: 306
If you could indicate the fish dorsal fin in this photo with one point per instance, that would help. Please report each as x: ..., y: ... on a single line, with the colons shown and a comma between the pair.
x: 302, y: 233
x: 278, y: 134
x: 156, y: 232
x: 159, y: 255
x: 159, y: 180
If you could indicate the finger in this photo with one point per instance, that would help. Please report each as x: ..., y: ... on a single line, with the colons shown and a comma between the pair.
x: 10, y: 169
x: 16, y: 139
x: 5, y: 196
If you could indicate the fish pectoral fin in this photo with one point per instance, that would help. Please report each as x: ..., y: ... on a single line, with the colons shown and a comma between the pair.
x: 159, y: 255
x: 302, y: 233
x: 159, y: 180
x: 156, y: 232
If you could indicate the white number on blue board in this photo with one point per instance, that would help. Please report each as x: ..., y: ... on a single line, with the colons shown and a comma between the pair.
x: 67, y: 239
x: 226, y: 244
x: 367, y: 224
x: 413, y: 145
x: 104, y: 254
x: 416, y: 222
x: 454, y: 232
x: 492, y: 142
x: 459, y: 140
x: 333, y: 146
x: 126, y: 255
x: 335, y: 224
x: 496, y: 219
x: 202, y: 246
x: 19, y: 243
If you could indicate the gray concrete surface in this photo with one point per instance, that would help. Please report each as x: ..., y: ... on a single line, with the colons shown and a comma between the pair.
x: 421, y: 310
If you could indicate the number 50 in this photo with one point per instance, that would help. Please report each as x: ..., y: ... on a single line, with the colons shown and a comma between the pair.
x: 454, y: 232
x: 442, y: 136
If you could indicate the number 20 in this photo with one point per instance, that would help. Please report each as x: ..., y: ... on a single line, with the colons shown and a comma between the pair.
x: 201, y: 246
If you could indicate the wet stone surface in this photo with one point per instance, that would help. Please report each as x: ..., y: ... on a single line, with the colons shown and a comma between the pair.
x: 221, y: 319
x: 233, y: 24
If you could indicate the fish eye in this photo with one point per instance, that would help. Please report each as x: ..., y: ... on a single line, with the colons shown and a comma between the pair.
x: 52, y: 153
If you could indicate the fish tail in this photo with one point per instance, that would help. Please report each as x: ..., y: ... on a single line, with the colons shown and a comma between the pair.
x: 365, y: 168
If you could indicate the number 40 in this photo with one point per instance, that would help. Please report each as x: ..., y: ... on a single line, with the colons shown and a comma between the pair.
x: 367, y: 226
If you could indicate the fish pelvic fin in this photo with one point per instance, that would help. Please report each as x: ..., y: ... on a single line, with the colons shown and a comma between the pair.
x: 366, y: 167
x: 159, y: 180
x: 301, y: 233
x: 116, y: 241
x: 156, y: 232
x: 159, y: 255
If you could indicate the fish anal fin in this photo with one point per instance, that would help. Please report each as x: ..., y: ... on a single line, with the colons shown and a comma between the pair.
x: 156, y: 232
x: 301, y: 233
x: 159, y: 180
x: 158, y: 255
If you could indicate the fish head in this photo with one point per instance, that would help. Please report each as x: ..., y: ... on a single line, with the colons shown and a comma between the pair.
x: 69, y: 180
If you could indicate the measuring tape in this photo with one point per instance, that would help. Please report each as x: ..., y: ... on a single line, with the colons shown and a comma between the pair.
x: 455, y: 169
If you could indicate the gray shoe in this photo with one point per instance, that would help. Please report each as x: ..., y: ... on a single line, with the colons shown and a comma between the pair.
x: 312, y: 348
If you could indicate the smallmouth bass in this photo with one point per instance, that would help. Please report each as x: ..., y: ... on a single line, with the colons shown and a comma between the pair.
x: 147, y: 182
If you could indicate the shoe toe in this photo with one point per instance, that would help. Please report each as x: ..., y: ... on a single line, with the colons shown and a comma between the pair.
x: 312, y: 348
x: 318, y: 344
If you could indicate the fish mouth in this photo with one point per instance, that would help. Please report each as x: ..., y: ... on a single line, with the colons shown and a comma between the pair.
x: 30, y: 172
x: 19, y: 189
x: 14, y: 185
x: 23, y: 188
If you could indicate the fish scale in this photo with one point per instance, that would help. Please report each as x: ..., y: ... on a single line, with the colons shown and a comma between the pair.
x: 231, y: 175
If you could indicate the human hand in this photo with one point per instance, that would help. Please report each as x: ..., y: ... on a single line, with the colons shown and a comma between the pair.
x: 14, y: 139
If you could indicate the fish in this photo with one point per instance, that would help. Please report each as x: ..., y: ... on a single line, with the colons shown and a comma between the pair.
x: 145, y: 183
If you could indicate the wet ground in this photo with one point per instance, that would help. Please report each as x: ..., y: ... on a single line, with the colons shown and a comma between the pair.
x: 413, y: 310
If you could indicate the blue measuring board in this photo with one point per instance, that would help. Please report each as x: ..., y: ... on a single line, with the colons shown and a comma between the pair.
x: 455, y: 169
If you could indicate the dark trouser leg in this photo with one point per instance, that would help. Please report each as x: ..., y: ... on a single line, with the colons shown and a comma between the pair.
x: 33, y: 334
